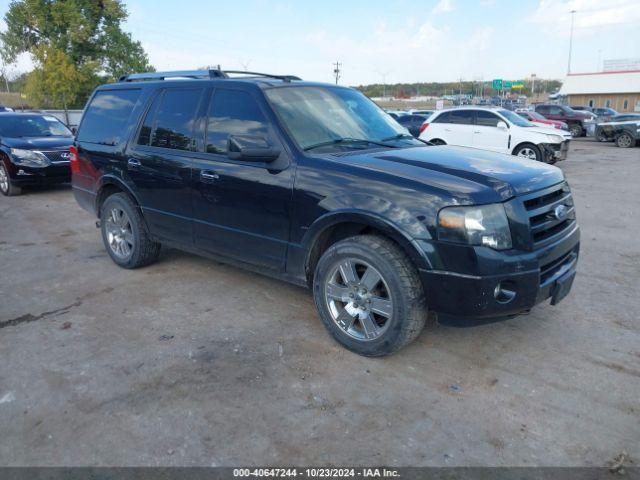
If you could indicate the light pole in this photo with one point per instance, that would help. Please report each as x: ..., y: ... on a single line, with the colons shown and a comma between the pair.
x: 570, y: 43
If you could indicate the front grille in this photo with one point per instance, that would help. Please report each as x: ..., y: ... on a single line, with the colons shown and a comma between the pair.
x: 552, y: 270
x: 56, y: 156
x: 551, y: 214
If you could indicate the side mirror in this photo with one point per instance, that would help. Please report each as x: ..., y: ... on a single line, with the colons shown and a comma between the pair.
x: 502, y: 126
x: 74, y: 130
x: 251, y: 148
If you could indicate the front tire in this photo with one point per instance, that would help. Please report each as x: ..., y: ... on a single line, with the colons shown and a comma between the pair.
x: 124, y: 234
x: 369, y: 295
x: 624, y: 140
x: 6, y: 187
x: 530, y: 151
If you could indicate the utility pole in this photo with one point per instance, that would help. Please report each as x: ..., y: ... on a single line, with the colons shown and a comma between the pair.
x: 570, y: 43
x: 384, y: 83
x: 533, y: 85
x: 337, y: 71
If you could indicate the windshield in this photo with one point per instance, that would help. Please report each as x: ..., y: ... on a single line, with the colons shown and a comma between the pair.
x: 322, y: 116
x: 32, y: 126
x: 536, y: 116
x: 515, y: 118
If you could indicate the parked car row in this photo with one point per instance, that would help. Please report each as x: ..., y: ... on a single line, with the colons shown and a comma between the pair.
x: 315, y: 185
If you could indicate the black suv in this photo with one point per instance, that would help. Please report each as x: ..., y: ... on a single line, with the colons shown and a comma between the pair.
x: 34, y: 150
x: 315, y: 184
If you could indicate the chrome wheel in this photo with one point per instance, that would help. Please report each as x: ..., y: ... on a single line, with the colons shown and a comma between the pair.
x: 4, y: 178
x: 624, y: 141
x: 527, y: 152
x: 358, y: 299
x: 119, y: 233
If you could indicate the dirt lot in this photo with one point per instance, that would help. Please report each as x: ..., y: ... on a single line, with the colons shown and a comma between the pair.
x: 191, y: 362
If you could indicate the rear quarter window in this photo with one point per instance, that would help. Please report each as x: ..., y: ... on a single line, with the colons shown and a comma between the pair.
x: 107, y: 116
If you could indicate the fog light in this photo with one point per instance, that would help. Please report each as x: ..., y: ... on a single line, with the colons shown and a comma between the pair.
x: 504, y: 292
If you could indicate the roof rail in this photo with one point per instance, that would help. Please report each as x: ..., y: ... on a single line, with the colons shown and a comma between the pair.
x: 133, y: 77
x: 195, y: 74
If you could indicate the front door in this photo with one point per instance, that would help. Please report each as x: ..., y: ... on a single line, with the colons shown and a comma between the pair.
x: 241, y: 209
x: 487, y: 135
x: 159, y: 163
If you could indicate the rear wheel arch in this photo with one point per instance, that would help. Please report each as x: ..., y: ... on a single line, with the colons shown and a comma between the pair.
x: 109, y: 187
x: 340, y: 227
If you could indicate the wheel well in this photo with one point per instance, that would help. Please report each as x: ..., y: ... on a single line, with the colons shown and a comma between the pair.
x: 340, y: 231
x: 106, y: 191
x: 438, y: 140
x: 522, y: 144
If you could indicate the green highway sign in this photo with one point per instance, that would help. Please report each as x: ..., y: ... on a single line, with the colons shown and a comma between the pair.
x: 499, y: 84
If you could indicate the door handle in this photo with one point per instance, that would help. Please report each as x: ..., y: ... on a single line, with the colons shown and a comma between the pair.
x: 133, y: 163
x: 477, y: 131
x: 208, y: 176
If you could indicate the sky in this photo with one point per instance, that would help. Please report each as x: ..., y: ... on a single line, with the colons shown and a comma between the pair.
x: 383, y: 41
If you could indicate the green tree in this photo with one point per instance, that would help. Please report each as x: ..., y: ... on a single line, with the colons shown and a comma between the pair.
x: 78, y: 43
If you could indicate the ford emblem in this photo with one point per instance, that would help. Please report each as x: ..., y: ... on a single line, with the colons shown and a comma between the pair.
x: 560, y: 212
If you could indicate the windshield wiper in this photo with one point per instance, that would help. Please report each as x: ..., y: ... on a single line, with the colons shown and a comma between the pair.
x: 338, y: 141
x: 400, y: 136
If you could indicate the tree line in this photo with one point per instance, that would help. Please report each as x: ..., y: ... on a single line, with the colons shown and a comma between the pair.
x: 439, y: 89
x: 75, y: 45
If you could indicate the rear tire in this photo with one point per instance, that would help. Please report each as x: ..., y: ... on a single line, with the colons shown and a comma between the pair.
x: 369, y: 295
x: 575, y: 129
x: 6, y: 187
x: 625, y: 140
x: 124, y: 233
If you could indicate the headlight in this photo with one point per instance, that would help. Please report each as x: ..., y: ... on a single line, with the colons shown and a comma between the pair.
x: 555, y: 138
x: 476, y: 225
x: 29, y: 158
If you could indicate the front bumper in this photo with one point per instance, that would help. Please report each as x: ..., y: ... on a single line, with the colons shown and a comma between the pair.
x: 555, y: 151
x: 59, y: 172
x: 532, y: 277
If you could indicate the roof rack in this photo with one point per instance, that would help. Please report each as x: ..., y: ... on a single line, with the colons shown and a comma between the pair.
x: 195, y: 74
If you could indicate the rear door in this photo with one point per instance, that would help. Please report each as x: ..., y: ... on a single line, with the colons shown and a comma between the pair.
x: 241, y: 208
x: 159, y: 162
x: 459, y: 129
x: 487, y: 135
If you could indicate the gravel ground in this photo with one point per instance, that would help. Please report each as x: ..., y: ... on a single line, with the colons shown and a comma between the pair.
x: 191, y: 362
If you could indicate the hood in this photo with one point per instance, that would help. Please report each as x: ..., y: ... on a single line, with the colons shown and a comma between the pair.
x: 549, y: 131
x: 475, y: 176
x: 38, y: 143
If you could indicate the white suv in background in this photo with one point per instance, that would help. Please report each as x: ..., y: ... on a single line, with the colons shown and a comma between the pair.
x: 495, y: 129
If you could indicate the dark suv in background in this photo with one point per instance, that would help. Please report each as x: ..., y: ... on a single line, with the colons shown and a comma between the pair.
x: 574, y: 118
x: 315, y: 184
x: 34, y: 150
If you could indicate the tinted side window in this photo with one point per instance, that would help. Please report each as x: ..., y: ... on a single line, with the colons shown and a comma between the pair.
x: 233, y: 112
x: 542, y: 109
x: 105, y: 120
x: 443, y: 118
x: 175, y: 119
x: 488, y: 119
x: 462, y: 117
x: 555, y: 111
x: 144, y: 137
